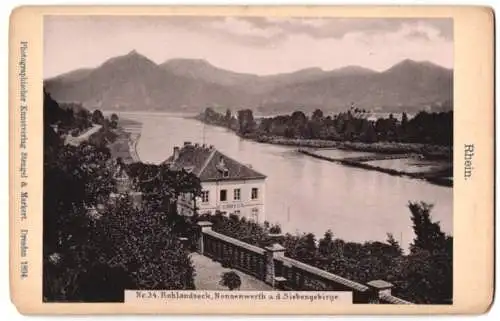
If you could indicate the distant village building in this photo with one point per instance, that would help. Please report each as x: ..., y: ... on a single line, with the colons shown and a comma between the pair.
x: 227, y: 185
x: 124, y: 186
x: 123, y: 182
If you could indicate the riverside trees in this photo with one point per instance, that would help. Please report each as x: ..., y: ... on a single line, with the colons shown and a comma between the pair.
x: 353, y: 125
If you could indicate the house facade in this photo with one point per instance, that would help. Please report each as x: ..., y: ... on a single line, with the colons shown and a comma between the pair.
x: 227, y: 185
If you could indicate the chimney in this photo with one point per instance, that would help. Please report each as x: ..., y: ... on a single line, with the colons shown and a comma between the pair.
x: 196, y: 145
x: 176, y: 153
x: 204, y: 146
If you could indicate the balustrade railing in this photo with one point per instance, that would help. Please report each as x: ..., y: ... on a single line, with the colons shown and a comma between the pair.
x: 271, y: 266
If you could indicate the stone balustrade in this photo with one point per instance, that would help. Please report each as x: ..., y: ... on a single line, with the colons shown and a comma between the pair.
x: 272, y: 266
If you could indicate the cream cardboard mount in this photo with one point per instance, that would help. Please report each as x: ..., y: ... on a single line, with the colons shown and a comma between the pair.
x: 251, y: 160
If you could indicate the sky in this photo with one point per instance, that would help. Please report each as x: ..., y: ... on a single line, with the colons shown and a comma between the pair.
x: 258, y: 45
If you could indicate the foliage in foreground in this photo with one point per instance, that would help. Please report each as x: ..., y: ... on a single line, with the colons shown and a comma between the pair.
x: 94, y: 249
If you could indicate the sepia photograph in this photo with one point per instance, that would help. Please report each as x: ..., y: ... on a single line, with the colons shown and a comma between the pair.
x: 248, y: 153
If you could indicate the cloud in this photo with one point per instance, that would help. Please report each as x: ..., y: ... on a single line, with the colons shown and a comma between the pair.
x: 262, y: 45
x: 269, y: 31
x: 242, y: 31
x: 263, y: 30
x: 418, y: 35
x: 443, y: 26
x: 244, y: 28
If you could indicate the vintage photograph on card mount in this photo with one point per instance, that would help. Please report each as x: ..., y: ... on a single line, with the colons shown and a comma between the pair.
x: 237, y: 154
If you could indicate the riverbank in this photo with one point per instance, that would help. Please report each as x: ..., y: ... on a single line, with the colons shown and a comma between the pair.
x: 436, y: 152
x: 125, y: 144
x: 133, y: 140
x: 427, y: 151
x: 441, y: 176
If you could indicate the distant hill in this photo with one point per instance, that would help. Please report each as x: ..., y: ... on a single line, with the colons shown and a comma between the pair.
x: 407, y: 86
x: 252, y: 84
x: 133, y: 82
x: 351, y: 71
x: 202, y: 70
x: 74, y: 75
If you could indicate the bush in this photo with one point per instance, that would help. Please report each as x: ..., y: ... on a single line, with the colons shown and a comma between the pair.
x: 231, y: 280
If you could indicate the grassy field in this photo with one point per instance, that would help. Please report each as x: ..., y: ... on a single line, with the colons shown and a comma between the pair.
x: 428, y: 151
x: 340, y: 153
x: 439, y: 172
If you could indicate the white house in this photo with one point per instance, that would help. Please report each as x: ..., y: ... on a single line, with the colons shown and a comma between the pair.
x: 227, y: 185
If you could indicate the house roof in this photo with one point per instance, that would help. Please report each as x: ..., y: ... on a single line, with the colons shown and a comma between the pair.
x: 209, y: 164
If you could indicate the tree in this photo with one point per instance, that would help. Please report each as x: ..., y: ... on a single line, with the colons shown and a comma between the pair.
x: 103, y: 283
x: 404, y: 120
x: 394, y: 245
x: 143, y: 241
x: 54, y: 114
x: 427, y: 273
x: 97, y: 117
x: 317, y: 115
x: 231, y: 280
x: 82, y: 119
x: 228, y: 118
x: 114, y: 120
x: 161, y: 187
x: 325, y: 247
x: 368, y: 133
x: 306, y: 248
x: 297, y: 125
x: 428, y: 234
x: 316, y: 125
x: 426, y: 277
x: 246, y: 121
x: 275, y: 229
x: 86, y: 170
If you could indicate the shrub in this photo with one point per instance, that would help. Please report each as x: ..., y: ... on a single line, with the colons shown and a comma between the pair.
x: 231, y: 280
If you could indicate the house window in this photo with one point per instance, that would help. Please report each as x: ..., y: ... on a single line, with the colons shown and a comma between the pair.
x: 255, y: 193
x: 237, y: 212
x: 223, y: 195
x: 225, y: 173
x: 204, y: 196
x: 237, y: 194
x: 255, y: 214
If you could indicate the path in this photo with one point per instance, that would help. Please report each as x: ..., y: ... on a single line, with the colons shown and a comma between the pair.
x: 208, y: 275
x: 75, y: 141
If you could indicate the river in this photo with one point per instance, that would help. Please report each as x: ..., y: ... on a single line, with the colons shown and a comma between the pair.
x: 305, y: 194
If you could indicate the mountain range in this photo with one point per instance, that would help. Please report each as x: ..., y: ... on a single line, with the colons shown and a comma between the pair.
x: 134, y: 82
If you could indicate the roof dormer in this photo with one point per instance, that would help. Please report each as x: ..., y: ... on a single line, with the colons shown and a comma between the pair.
x: 221, y: 167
